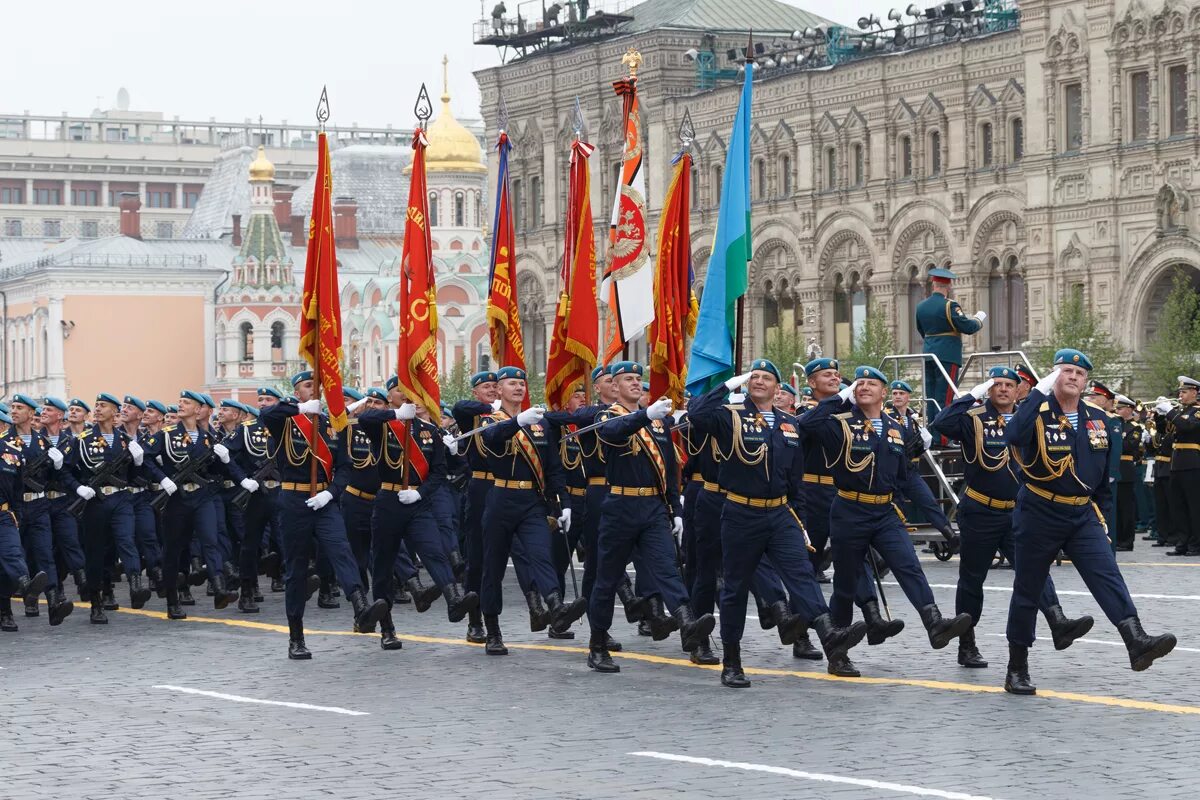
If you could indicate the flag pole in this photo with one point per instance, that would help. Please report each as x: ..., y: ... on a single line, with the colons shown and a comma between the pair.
x: 322, y: 116
x: 423, y: 109
x: 741, y: 301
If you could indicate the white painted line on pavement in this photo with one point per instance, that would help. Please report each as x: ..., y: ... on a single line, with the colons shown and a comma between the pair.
x: 239, y: 699
x: 1071, y: 592
x: 1099, y: 641
x: 813, y: 776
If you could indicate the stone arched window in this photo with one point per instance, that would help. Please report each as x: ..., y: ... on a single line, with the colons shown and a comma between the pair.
x: 277, y: 340
x: 247, y: 334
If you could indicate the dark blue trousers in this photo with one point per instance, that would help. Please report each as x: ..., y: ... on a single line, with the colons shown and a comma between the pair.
x: 302, y: 528
x: 65, y: 530
x: 187, y: 520
x: 413, y: 525
x: 589, y: 532
x: 256, y: 519
x: 38, y: 539
x: 706, y: 526
x: 1041, y: 529
x: 145, y: 530
x: 444, y: 505
x: 562, y: 545
x: 859, y: 527
x: 404, y: 567
x: 630, y: 525
x: 984, y: 531
x: 108, y: 519
x: 358, y: 515
x: 690, y: 490
x: 12, y: 557
x: 748, y: 535
x: 477, y: 493
x: 519, y: 514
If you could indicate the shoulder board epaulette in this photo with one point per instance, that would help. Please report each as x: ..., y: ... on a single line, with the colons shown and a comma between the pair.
x: 844, y: 415
x: 977, y: 410
x: 170, y: 428
x: 250, y: 422
x: 733, y: 406
x: 13, y: 444
x: 786, y: 416
x: 1045, y: 406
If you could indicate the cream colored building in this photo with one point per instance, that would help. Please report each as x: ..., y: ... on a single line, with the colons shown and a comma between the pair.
x: 1054, y: 155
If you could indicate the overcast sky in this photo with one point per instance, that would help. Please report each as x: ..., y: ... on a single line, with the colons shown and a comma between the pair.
x: 233, y: 60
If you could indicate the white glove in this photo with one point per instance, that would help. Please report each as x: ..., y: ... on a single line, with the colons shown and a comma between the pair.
x: 980, y: 315
x: 496, y: 405
x: 1164, y: 405
x: 848, y: 392
x: 738, y: 381
x: 530, y: 415
x: 737, y: 398
x: 86, y: 492
x: 926, y: 437
x: 310, y: 407
x: 677, y: 527
x: 319, y: 500
x: 451, y: 444
x: 250, y: 485
x: 1149, y: 472
x: 564, y: 520
x: 137, y: 452
x: 56, y: 457
x: 406, y: 411
x: 168, y: 486
x: 678, y: 415
x: 1146, y: 437
x: 357, y: 404
x: 1046, y: 384
x: 408, y: 496
x: 221, y: 452
x: 659, y: 409
x: 681, y: 501
x: 980, y: 391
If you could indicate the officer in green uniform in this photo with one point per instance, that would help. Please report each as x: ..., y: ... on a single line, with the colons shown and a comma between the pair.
x: 942, y: 324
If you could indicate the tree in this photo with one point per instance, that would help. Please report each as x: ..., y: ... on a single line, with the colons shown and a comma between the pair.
x: 455, y: 385
x: 784, y: 348
x: 1175, y: 349
x: 872, y: 343
x: 1073, y: 324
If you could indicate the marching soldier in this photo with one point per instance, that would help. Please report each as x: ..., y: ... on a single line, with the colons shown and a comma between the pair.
x: 77, y: 417
x: 249, y: 445
x: 300, y: 432
x: 1062, y: 445
x: 985, y: 511
x: 703, y: 500
x: 1105, y: 398
x: 14, y: 574
x: 1184, y: 420
x: 145, y: 526
x: 154, y: 417
x: 1132, y: 453
x: 60, y: 491
x: 1162, y: 445
x: 356, y: 455
x: 942, y: 324
x: 563, y: 543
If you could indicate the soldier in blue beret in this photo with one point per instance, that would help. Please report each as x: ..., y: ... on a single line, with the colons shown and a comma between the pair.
x: 14, y: 571
x: 145, y: 522
x: 942, y: 324
x: 268, y: 396
x: 1062, y: 445
x: 985, y: 510
x: 60, y: 491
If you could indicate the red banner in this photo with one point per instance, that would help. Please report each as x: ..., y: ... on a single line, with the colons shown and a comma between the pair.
x: 576, y: 337
x: 321, y: 313
x: 504, y: 319
x: 416, y: 365
x: 675, y: 307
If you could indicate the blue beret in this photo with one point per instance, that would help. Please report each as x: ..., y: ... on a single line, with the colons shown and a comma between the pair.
x: 806, y: 391
x: 232, y: 404
x: 787, y: 387
x: 107, y: 397
x: 196, y: 397
x: 134, y: 401
x: 270, y: 391
x: 902, y: 386
x: 4, y: 407
x: 291, y: 398
x: 1004, y: 372
x: 75, y: 401
x: 645, y: 386
x: 870, y: 373
x: 393, y: 382
x: 157, y: 405
x: 446, y: 411
x: 625, y: 368
x: 172, y: 409
x: 818, y: 364
x: 942, y: 273
x: 1072, y: 357
x: 208, y: 400
x: 765, y: 366
x: 300, y: 377
x: 353, y: 394
x: 4, y: 417
x: 57, y: 402
x: 26, y: 400
x: 487, y: 376
x: 377, y: 393
x: 251, y: 410
x: 598, y: 371
x: 505, y: 373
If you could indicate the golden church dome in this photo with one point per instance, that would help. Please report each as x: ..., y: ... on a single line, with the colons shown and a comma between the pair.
x: 262, y: 169
x: 452, y: 148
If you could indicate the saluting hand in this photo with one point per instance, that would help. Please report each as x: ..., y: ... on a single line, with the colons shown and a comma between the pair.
x: 1046, y: 384
x: 737, y: 381
x: 980, y: 391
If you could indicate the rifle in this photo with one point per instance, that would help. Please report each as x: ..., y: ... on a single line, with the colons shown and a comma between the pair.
x: 266, y: 472
x: 106, y: 475
x: 188, y: 473
x: 33, y: 468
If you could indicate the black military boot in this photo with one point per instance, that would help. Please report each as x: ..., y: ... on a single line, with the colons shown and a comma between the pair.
x: 31, y: 587
x: 458, y: 604
x: 968, y: 653
x: 108, y: 600
x: 564, y: 615
x: 312, y: 584
x: 1065, y: 630
x: 157, y: 584
x: 401, y: 595
x: 458, y: 565
x: 475, y: 634
x: 635, y: 607
x: 277, y: 585
x: 837, y: 641
x: 296, y: 649
x: 1143, y: 648
x: 841, y: 666
x: 258, y: 595
x: 246, y: 602
x: 539, y: 615
x: 7, y: 623
x: 941, y: 631
x: 60, y: 607
x: 788, y: 625
x: 325, y: 598
x: 387, y: 631
x: 611, y: 644
x: 222, y: 596
x: 138, y: 593
x: 98, y: 617
x: 422, y: 595
x: 81, y: 587
x: 495, y: 641
x: 185, y: 595
x: 598, y: 657
x: 1016, y: 680
x: 196, y: 576
x: 661, y: 623
x: 879, y: 629
x: 703, y: 654
x: 731, y: 667
x: 644, y: 628
x: 766, y: 616
x: 693, y: 630
x: 31, y: 606
x: 270, y: 566
x: 803, y: 648
x: 366, y: 613
x: 175, y: 610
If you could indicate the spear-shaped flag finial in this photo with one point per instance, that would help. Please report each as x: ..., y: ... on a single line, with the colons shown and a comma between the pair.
x: 578, y: 123
x: 423, y: 107
x: 687, y: 133
x: 750, y: 48
x: 503, y: 114
x: 323, y: 107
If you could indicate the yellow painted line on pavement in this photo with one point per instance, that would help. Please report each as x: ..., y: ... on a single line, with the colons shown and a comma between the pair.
x: 948, y: 686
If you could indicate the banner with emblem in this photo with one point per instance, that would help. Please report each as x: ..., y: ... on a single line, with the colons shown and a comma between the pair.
x: 675, y: 307
x: 417, y: 366
x: 628, y: 285
x: 504, y: 318
x: 321, y: 313
x: 576, y: 337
